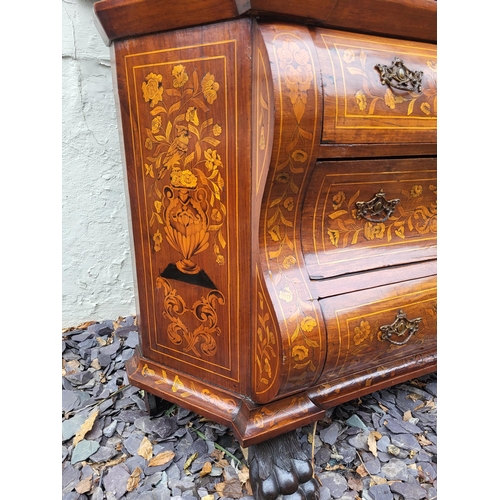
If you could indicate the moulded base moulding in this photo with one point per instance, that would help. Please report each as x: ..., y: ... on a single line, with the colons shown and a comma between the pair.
x: 252, y: 423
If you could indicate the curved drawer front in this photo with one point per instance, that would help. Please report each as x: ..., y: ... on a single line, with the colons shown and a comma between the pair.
x: 377, y: 90
x: 368, y: 214
x: 369, y: 329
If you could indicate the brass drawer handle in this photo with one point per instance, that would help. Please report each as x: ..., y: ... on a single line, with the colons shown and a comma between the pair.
x: 398, y: 76
x: 378, y: 209
x: 402, y: 326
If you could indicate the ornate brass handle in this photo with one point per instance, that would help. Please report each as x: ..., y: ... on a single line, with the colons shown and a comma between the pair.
x: 398, y: 76
x: 402, y: 326
x: 378, y: 209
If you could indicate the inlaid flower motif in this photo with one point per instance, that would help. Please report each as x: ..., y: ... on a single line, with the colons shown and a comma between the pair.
x: 334, y: 236
x: 361, y: 332
x: 149, y: 170
x: 157, y: 238
x: 348, y: 56
x: 209, y: 87
x: 289, y: 261
x: 155, y: 125
x: 360, y: 100
x: 148, y: 143
x: 432, y: 65
x: 289, y: 204
x: 192, y: 116
x: 389, y: 99
x: 283, y: 178
x: 274, y: 232
x: 300, y: 352
x: 285, y: 53
x: 217, y: 130
x: 216, y: 215
x: 220, y: 259
x: 152, y: 90
x: 400, y: 231
x: 183, y: 178
x: 158, y: 205
x: 299, y: 155
x: 180, y: 76
x: 416, y: 191
x: 426, y: 108
x: 258, y: 421
x: 212, y: 159
x: 308, y: 324
x: 338, y: 199
x: 286, y: 294
x: 373, y: 231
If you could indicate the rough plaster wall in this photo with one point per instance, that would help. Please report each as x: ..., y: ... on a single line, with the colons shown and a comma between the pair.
x: 97, y: 277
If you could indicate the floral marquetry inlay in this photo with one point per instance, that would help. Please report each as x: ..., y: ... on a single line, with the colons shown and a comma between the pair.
x: 184, y: 165
x: 412, y: 217
x: 289, y: 167
x: 371, y: 94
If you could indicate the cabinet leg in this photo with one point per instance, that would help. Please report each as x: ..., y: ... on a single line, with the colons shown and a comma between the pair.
x: 278, y: 466
x: 154, y: 405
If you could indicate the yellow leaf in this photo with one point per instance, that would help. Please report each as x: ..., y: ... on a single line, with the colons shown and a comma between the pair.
x: 86, y: 426
x: 207, y: 469
x: 161, y: 458
x: 134, y: 479
x: 372, y: 443
x: 190, y: 460
x: 145, y: 449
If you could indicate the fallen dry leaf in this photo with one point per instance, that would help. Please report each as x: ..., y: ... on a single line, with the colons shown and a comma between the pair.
x: 134, y: 479
x: 161, y: 458
x: 354, y: 483
x: 361, y: 470
x: 86, y: 426
x: 208, y: 497
x: 244, y: 474
x: 372, y: 442
x: 407, y: 415
x: 84, y: 485
x: 377, y: 480
x: 207, y: 469
x: 423, y: 440
x: 189, y: 461
x: 145, y: 449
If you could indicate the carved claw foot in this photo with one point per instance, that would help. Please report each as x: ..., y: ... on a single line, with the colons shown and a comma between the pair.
x: 278, y: 466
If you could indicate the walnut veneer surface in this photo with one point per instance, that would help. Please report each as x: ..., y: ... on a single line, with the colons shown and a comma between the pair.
x: 282, y: 198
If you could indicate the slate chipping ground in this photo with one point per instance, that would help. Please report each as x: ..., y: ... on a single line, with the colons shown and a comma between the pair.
x: 378, y: 447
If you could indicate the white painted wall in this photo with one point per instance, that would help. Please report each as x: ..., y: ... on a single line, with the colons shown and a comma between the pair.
x: 97, y: 277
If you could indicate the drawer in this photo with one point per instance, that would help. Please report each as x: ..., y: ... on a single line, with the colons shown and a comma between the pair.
x: 369, y: 329
x: 377, y: 90
x: 369, y: 214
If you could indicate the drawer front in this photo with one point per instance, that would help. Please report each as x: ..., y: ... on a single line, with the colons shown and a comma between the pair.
x: 369, y: 329
x: 369, y: 214
x: 377, y: 90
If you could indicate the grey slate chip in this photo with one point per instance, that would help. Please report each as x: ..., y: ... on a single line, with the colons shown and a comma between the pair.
x: 123, y: 422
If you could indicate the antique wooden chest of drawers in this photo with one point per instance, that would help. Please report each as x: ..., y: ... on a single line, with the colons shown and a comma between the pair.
x: 281, y: 169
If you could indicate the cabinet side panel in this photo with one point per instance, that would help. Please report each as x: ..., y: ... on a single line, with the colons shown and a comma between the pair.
x: 185, y: 106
